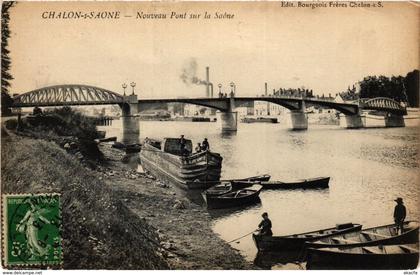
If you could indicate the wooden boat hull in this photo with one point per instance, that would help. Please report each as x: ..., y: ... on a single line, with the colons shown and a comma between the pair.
x: 368, y: 237
x: 218, y: 202
x: 345, y: 258
x: 314, y: 183
x: 218, y: 190
x: 321, y: 182
x: 297, y: 241
x: 195, y: 172
x: 258, y: 178
x: 108, y: 139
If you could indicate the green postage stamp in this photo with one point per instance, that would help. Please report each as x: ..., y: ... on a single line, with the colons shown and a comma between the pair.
x: 31, y: 230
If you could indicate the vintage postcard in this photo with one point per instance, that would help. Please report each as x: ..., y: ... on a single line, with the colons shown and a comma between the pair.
x: 179, y: 135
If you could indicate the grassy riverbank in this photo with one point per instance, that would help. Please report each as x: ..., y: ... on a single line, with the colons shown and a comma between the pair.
x: 113, y: 216
x: 99, y: 231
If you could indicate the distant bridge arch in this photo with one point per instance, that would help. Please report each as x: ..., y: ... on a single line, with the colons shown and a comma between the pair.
x: 383, y: 104
x: 71, y: 94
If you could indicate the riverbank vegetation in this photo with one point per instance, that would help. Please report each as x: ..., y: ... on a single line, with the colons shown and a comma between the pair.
x: 66, y: 127
x: 400, y: 88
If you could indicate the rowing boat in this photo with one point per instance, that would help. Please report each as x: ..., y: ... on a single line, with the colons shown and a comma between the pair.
x: 320, y: 182
x: 234, y: 198
x: 297, y: 241
x: 380, y: 235
x: 312, y: 183
x: 366, y: 257
x: 264, y: 177
x: 225, y: 187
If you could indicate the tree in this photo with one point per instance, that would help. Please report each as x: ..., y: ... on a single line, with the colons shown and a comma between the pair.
x: 411, y: 82
x: 382, y: 86
x: 6, y: 77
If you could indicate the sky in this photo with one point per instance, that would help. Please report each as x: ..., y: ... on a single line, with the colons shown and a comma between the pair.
x: 324, y: 49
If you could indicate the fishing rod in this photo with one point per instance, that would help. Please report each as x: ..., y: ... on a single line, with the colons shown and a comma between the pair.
x: 243, y: 236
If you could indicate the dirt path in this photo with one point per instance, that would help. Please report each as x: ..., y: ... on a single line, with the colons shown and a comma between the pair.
x: 183, y: 227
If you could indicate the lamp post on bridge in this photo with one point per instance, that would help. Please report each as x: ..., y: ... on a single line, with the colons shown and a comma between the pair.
x: 232, y: 88
x: 133, y: 84
x: 220, y: 89
x: 124, y: 86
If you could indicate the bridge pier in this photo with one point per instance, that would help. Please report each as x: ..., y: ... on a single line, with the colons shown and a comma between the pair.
x: 228, y: 120
x: 130, y: 130
x: 351, y: 121
x: 130, y: 123
x: 299, y: 118
x: 393, y: 120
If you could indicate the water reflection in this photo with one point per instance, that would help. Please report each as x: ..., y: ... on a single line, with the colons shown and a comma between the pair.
x: 267, y: 260
x: 220, y: 213
x: 228, y: 134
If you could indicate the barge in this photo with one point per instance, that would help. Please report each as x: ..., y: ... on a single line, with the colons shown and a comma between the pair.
x: 166, y: 161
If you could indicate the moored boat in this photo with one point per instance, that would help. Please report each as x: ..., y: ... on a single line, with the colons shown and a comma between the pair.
x: 404, y: 256
x: 264, y: 177
x: 259, y: 120
x: 320, y: 182
x: 240, y: 183
x: 108, y: 139
x: 219, y: 189
x: 234, y: 198
x: 132, y: 148
x: 297, y: 241
x: 225, y: 187
x: 166, y: 162
x: 312, y: 183
x: 380, y: 235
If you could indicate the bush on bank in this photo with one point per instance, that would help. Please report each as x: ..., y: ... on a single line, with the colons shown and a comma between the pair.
x: 59, y: 125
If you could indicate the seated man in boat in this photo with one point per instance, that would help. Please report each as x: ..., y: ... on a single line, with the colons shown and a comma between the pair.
x: 265, y: 226
x: 399, y: 214
x: 198, y: 148
x: 205, y: 145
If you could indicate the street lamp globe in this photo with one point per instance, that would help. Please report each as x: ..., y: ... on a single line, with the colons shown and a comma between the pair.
x: 133, y: 84
x: 124, y: 86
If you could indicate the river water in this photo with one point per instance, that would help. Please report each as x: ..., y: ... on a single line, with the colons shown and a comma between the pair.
x: 369, y: 168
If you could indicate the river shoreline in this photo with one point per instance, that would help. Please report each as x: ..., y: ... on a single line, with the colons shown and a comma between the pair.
x: 181, y: 229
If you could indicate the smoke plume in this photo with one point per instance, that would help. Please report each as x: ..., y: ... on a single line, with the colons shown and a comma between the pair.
x: 189, y: 74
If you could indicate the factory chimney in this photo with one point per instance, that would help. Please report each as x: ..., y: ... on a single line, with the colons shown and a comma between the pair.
x: 266, y: 93
x: 207, y: 82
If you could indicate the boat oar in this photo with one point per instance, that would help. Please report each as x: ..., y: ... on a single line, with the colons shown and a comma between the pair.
x: 242, y: 236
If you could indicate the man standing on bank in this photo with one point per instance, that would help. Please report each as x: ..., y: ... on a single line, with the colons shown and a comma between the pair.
x: 265, y: 226
x: 399, y: 214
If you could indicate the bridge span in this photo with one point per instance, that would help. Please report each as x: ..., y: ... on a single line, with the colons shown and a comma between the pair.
x: 76, y: 94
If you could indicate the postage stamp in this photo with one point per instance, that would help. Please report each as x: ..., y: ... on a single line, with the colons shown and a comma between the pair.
x: 31, y: 230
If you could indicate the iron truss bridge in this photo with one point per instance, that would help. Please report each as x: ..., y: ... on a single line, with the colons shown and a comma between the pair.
x: 65, y: 95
